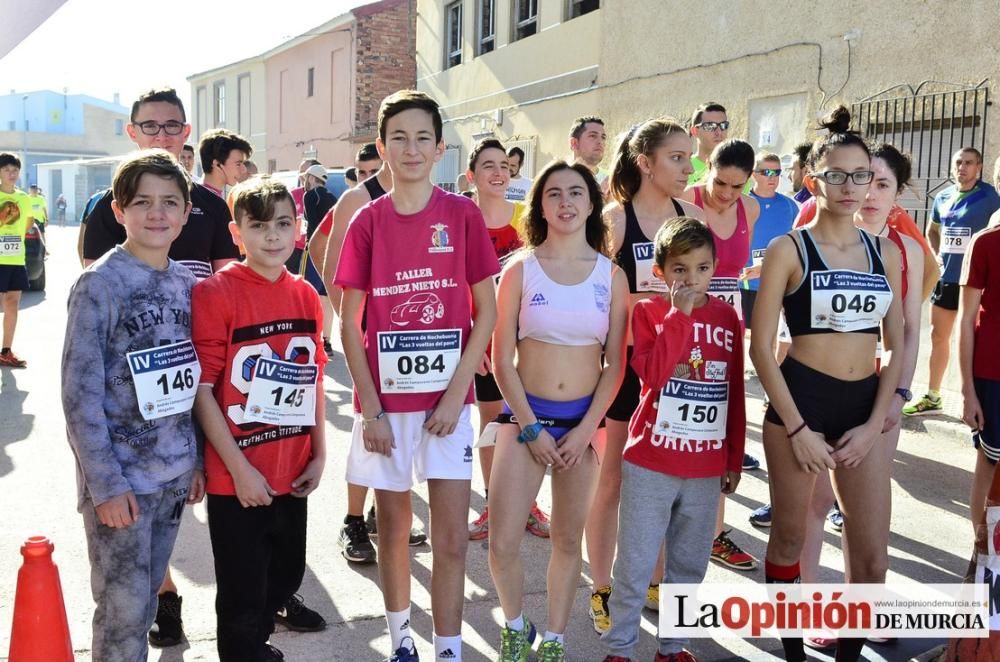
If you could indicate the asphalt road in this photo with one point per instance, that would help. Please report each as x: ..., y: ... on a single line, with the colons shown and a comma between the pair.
x: 930, y: 542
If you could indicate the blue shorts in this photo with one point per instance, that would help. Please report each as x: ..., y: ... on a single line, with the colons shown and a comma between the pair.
x: 563, y: 411
x: 988, y: 439
x: 314, y: 278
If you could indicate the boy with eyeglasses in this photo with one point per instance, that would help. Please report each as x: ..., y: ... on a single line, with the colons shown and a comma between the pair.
x: 709, y: 127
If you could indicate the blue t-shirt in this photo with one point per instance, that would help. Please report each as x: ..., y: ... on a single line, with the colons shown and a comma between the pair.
x: 960, y: 215
x: 777, y: 214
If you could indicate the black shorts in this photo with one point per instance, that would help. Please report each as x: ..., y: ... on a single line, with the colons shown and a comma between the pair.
x: 487, y: 389
x: 627, y: 399
x: 945, y: 295
x: 828, y: 405
x: 747, y: 299
x: 13, y: 278
x: 988, y: 439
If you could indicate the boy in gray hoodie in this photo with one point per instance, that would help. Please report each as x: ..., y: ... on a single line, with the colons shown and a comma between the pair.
x: 129, y: 377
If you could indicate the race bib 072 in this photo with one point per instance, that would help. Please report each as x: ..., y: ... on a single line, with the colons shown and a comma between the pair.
x: 10, y: 245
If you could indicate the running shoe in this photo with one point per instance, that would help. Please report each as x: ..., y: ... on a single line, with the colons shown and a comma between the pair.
x: 327, y: 347
x: 653, y: 597
x: 836, y: 519
x: 599, y: 612
x: 761, y: 517
x: 416, y: 537
x: 480, y: 528
x: 538, y: 522
x: 551, y: 651
x: 357, y: 545
x: 9, y: 360
x: 406, y: 652
x: 728, y: 553
x: 924, y: 406
x: 617, y: 658
x: 168, y: 628
x: 683, y: 656
x: 750, y: 463
x: 516, y: 644
x: 272, y: 654
x: 296, y: 616
x: 820, y: 643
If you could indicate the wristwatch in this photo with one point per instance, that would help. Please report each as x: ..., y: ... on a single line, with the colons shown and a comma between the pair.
x: 905, y: 393
x: 530, y: 432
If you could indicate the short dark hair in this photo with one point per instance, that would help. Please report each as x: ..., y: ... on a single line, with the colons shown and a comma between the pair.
x: 707, y: 107
x: 733, y: 153
x: 156, y: 162
x: 802, y: 152
x: 368, y: 152
x: 484, y: 144
x: 679, y: 236
x: 898, y: 162
x: 351, y: 174
x: 188, y: 147
x: 535, y: 228
x: 580, y: 123
x: 161, y: 95
x: 397, y: 102
x: 216, y: 145
x: 516, y: 151
x: 257, y: 197
x: 6, y: 159
x: 973, y: 150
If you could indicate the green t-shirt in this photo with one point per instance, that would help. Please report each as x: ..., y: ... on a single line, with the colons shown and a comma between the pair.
x: 15, y: 212
x: 39, y: 210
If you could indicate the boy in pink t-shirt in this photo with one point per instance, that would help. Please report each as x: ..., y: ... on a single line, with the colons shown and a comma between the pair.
x: 422, y: 260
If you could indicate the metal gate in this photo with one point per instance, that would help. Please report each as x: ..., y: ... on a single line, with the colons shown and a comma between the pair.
x: 930, y: 126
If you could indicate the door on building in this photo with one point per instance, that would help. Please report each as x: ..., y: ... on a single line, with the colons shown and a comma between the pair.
x: 930, y: 126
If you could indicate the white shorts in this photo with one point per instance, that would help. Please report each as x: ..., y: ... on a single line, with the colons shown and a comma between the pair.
x: 418, y: 453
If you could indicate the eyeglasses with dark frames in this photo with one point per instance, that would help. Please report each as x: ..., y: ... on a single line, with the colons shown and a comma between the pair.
x: 151, y: 128
x: 838, y: 178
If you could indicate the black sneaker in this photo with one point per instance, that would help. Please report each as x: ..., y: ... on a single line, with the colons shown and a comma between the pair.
x: 272, y: 654
x: 327, y: 347
x: 356, y: 543
x: 417, y: 538
x: 168, y: 628
x: 294, y: 615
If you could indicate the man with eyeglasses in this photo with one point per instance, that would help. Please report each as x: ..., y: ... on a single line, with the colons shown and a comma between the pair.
x: 204, y: 244
x: 709, y: 127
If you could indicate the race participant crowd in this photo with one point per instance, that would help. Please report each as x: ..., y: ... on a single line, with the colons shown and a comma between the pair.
x: 596, y: 318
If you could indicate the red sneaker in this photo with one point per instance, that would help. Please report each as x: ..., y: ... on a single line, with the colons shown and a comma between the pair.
x: 683, y: 656
x: 480, y: 529
x: 9, y: 360
x: 729, y: 554
x: 538, y: 522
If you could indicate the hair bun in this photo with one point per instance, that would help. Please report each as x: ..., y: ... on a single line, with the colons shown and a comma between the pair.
x: 838, y: 121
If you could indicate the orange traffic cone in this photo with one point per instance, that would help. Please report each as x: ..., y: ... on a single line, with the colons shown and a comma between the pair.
x: 40, y: 632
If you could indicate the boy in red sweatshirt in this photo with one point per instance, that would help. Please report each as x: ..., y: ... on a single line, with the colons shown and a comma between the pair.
x: 687, y: 435
x: 256, y: 329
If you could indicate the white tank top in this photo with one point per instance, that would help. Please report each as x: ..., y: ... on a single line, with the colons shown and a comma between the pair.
x: 565, y: 314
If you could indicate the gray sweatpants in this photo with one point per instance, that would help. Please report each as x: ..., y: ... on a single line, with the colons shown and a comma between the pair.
x: 126, y: 569
x: 655, y: 506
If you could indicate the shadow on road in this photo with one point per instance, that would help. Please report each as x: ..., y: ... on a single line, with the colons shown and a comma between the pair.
x: 16, y: 424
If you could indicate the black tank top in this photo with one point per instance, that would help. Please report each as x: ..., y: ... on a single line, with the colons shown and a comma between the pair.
x: 375, y: 189
x: 637, y: 250
x: 837, y: 300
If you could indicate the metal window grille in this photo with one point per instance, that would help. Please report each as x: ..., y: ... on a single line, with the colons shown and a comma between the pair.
x: 525, y: 18
x: 453, y: 55
x: 487, y: 26
x: 446, y: 170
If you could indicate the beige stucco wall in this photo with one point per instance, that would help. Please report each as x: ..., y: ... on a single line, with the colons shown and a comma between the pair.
x: 527, y: 80
x: 202, y: 116
x: 324, y: 120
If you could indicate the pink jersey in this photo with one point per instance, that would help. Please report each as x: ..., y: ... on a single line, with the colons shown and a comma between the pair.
x: 416, y: 270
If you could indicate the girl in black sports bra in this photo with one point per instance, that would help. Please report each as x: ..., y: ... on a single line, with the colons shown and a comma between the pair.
x: 649, y: 174
x: 837, y: 285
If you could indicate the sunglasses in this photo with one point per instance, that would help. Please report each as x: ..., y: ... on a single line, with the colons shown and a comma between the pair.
x: 769, y: 172
x: 712, y: 126
x: 152, y: 128
x: 837, y: 178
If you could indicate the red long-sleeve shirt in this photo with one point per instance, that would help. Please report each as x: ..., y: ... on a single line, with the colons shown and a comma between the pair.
x: 696, y: 353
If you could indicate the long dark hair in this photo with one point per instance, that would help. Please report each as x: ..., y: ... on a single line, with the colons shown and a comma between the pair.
x: 643, y: 138
x: 535, y: 228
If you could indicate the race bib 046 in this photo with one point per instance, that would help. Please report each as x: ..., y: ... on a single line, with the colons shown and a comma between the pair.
x: 848, y: 300
x: 418, y: 361
x: 165, y: 379
x: 693, y: 410
x: 282, y: 393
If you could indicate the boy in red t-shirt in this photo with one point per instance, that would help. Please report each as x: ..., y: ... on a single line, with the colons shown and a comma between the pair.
x: 687, y: 435
x: 422, y: 261
x: 978, y: 338
x: 256, y: 329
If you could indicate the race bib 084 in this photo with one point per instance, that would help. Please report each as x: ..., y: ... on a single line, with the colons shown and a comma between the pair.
x: 282, y: 393
x: 165, y: 379
x: 418, y: 361
x: 645, y: 281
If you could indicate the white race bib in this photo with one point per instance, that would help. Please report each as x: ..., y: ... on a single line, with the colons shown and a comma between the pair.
x: 282, y: 393
x: 645, y: 281
x: 165, y: 379
x: 728, y: 290
x: 955, y: 239
x: 848, y: 301
x: 10, y: 245
x: 418, y: 361
x: 693, y: 410
x: 757, y: 255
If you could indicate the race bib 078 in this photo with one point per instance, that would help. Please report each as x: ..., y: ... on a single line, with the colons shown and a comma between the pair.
x: 165, y: 379
x: 418, y: 361
x: 955, y: 239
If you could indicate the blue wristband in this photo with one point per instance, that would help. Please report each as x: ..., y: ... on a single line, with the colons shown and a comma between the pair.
x: 530, y: 432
